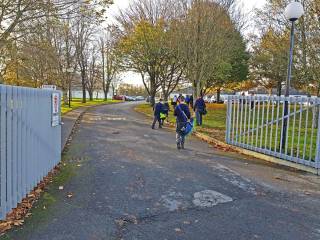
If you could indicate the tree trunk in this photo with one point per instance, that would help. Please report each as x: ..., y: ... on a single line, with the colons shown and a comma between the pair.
x: 153, y: 93
x: 91, y: 95
x: 152, y: 100
x: 65, y: 96
x: 113, y: 91
x: 279, y: 88
x: 83, y: 83
x: 218, y: 95
x: 106, y: 91
x: 166, y: 97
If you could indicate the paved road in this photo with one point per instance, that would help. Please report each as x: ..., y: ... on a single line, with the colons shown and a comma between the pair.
x: 130, y: 182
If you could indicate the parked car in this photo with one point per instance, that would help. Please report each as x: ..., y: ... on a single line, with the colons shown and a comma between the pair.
x: 129, y: 98
x: 119, y: 97
x: 224, y: 98
x: 140, y: 98
x: 212, y: 99
x: 207, y: 98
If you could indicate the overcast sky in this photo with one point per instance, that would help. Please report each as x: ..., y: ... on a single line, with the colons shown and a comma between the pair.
x: 122, y: 4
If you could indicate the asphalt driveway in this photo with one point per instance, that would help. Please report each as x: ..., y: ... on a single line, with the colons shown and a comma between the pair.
x: 127, y: 181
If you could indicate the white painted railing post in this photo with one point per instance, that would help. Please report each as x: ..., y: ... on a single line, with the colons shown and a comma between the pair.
x: 263, y: 127
x: 228, y: 120
x: 317, y: 159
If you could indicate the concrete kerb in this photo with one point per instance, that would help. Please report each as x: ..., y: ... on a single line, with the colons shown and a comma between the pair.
x: 246, y: 152
x: 69, y: 121
x: 258, y: 155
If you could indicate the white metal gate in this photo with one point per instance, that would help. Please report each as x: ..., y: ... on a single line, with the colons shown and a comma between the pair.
x: 30, y: 141
x: 258, y: 123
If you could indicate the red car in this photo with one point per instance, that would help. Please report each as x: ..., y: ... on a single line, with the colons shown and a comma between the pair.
x: 119, y: 97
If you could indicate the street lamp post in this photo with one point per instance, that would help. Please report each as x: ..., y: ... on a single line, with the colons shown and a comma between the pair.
x: 292, y: 12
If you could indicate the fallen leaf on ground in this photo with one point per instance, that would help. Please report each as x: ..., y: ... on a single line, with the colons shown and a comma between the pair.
x: 120, y: 222
x: 18, y: 222
x: 5, y: 226
x: 38, y: 190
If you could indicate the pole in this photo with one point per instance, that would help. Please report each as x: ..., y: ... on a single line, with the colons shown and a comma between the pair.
x: 287, y: 91
x: 70, y: 93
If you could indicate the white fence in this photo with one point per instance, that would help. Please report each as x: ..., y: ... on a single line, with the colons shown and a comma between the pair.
x: 261, y: 124
x: 30, y: 141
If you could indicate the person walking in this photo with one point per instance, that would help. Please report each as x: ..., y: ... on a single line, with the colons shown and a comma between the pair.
x: 187, y: 100
x: 182, y: 114
x: 252, y: 102
x: 157, y: 109
x: 165, y: 111
x: 200, y: 110
x: 174, y: 101
x: 191, y: 101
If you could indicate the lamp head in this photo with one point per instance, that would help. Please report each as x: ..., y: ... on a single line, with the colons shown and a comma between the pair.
x: 294, y: 11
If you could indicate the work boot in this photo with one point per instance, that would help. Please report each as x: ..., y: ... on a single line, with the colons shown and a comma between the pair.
x: 178, y: 146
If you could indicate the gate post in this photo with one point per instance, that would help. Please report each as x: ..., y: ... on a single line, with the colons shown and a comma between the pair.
x: 228, y: 120
x: 317, y: 160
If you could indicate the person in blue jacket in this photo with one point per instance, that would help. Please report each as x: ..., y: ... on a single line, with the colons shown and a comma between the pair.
x: 157, y: 109
x: 182, y: 114
x: 200, y: 109
x: 165, y: 111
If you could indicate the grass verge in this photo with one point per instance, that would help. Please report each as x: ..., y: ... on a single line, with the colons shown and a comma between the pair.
x: 77, y: 103
x: 214, y: 123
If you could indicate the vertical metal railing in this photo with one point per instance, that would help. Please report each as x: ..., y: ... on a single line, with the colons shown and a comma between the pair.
x: 29, y: 146
x: 257, y: 123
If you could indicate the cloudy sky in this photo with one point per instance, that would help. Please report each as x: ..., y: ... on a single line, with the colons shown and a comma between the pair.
x: 132, y: 78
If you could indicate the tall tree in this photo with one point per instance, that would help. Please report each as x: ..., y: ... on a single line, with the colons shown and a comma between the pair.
x: 306, y: 58
x: 269, y: 60
x: 211, y: 46
x: 144, y: 25
x: 110, y: 60
x: 142, y: 53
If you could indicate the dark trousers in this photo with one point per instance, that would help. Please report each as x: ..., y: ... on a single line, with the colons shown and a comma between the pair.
x: 252, y: 105
x: 180, y: 137
x: 155, y: 120
x: 199, y: 117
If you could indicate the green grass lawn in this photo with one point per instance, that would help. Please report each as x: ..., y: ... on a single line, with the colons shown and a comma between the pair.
x: 214, y: 123
x: 77, y: 102
x: 302, y: 146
